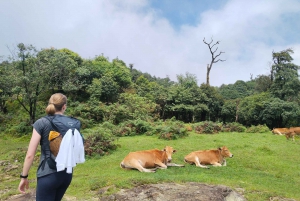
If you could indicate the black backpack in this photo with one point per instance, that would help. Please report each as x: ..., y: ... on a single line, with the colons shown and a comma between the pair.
x: 60, y: 124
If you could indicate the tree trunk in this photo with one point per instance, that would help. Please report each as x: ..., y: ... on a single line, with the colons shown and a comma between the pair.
x: 207, y: 74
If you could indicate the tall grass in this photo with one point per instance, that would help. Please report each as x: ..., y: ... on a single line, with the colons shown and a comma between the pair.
x: 263, y: 166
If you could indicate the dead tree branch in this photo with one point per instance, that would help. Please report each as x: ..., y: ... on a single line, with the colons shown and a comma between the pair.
x: 214, y: 56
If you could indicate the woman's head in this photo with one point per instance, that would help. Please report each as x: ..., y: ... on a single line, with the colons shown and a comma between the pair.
x: 56, y: 103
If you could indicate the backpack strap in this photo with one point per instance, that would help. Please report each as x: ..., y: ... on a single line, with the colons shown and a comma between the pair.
x: 50, y: 118
x: 46, y: 149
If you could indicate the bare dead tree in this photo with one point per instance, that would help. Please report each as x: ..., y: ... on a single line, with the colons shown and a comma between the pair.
x: 214, y: 57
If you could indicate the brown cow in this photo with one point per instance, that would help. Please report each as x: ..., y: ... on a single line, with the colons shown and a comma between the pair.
x: 290, y: 134
x: 214, y: 157
x: 280, y: 131
x: 296, y: 130
x: 149, y: 160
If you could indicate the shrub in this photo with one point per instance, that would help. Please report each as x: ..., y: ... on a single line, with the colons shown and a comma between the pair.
x: 132, y: 127
x: 99, y: 141
x: 258, y: 129
x: 233, y: 127
x: 207, y: 127
x: 171, y: 129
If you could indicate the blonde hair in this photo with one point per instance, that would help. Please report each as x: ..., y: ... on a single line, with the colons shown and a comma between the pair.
x: 56, y: 102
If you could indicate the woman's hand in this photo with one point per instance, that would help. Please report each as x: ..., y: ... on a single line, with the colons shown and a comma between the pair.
x: 24, y: 184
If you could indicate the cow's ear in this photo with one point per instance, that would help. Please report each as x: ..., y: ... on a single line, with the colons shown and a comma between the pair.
x: 220, y: 148
x: 174, y: 151
x: 164, y: 150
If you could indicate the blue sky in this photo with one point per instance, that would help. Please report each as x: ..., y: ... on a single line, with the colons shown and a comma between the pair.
x: 160, y: 37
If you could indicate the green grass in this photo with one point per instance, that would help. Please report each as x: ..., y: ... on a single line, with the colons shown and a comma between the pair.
x: 264, y: 165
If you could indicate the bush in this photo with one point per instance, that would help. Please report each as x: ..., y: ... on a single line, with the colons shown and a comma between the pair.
x: 207, y: 127
x: 233, y: 127
x: 99, y: 141
x: 258, y: 129
x: 170, y: 129
x: 132, y: 127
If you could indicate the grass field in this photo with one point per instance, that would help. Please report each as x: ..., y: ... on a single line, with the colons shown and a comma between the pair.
x: 264, y: 166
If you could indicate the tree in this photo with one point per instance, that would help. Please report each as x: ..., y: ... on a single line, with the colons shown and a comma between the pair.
x: 262, y: 83
x: 27, y: 76
x: 6, y: 85
x: 229, y: 111
x: 239, y: 89
x: 185, y: 100
x: 286, y: 82
x: 278, y: 113
x: 214, y: 102
x: 214, y: 57
x: 251, y: 107
x: 60, y: 69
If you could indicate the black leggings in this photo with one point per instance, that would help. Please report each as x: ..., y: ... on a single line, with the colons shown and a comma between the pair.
x: 52, y: 187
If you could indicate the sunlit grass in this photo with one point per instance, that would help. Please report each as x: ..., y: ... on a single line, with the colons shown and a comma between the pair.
x: 264, y: 166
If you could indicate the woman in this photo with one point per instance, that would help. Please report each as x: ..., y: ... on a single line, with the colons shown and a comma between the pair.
x: 51, y: 185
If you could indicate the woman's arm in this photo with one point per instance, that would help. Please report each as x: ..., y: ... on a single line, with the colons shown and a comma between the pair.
x: 33, y: 144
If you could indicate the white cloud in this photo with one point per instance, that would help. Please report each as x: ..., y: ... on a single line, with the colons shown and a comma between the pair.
x: 136, y: 33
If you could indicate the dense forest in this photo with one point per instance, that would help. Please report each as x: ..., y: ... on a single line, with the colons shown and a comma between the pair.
x: 104, y: 91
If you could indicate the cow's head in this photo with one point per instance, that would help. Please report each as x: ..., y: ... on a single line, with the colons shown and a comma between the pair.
x: 169, y: 151
x: 225, y: 152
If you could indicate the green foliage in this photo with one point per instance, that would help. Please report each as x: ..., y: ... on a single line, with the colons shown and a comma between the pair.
x: 185, y: 101
x: 262, y: 83
x: 239, y: 89
x: 104, y: 90
x: 250, y: 109
x: 133, y: 127
x: 214, y: 102
x: 279, y: 113
x: 257, y: 129
x: 72, y: 55
x: 229, y: 110
x: 285, y: 73
x: 170, y: 129
x: 233, y: 127
x: 207, y: 127
x: 99, y: 141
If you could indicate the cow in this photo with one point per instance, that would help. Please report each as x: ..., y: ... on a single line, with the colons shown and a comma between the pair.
x: 290, y: 134
x: 280, y: 131
x: 215, y: 157
x: 149, y: 160
x: 296, y: 130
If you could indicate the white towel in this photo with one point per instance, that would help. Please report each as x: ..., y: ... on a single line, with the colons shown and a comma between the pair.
x: 71, y: 151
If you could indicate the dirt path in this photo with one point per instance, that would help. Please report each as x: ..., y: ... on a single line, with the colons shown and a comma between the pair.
x: 190, y: 191
x: 180, y: 192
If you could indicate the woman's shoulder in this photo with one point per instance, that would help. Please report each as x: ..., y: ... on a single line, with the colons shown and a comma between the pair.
x: 42, y: 121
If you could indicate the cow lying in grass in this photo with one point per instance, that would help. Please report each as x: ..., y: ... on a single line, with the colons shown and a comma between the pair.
x: 215, y: 157
x: 149, y: 160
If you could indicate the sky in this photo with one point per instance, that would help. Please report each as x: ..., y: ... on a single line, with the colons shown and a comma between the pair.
x: 161, y: 37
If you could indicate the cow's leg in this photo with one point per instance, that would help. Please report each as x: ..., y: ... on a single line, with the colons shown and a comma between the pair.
x: 137, y: 165
x: 174, y: 165
x: 224, y: 162
x: 216, y: 164
x: 161, y: 165
x: 198, y: 164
